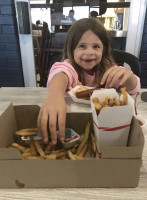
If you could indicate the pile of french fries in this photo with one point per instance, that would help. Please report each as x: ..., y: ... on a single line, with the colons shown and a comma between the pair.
x: 37, y: 150
x: 110, y: 102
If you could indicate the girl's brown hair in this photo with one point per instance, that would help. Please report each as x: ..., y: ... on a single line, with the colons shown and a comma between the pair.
x: 74, y: 35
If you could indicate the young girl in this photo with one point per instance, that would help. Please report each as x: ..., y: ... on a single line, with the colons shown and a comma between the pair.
x: 86, y: 60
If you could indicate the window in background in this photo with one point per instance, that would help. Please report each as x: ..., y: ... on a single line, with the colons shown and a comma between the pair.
x: 66, y: 10
x: 41, y: 14
x: 81, y: 12
x: 38, y: 2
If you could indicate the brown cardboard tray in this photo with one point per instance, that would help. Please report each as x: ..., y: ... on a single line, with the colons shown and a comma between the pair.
x: 118, y: 167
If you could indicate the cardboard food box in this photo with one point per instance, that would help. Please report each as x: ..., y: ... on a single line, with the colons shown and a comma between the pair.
x: 118, y: 167
x: 112, y: 124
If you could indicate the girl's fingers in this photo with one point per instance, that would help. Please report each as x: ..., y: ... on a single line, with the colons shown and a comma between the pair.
x: 107, y: 74
x: 48, y: 117
x: 104, y: 78
x: 113, y: 77
x: 117, y: 77
x: 39, y: 123
x: 52, y: 127
x: 43, y: 125
x: 115, y: 74
x: 123, y: 75
x: 123, y: 80
x: 61, y: 124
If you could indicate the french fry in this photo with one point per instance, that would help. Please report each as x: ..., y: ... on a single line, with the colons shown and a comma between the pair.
x: 111, y: 102
x: 63, y: 158
x: 85, y: 139
x: 95, y: 100
x: 71, y: 156
x: 39, y: 148
x: 81, y: 137
x: 18, y: 146
x: 93, y: 143
x: 53, y: 147
x: 60, y: 154
x: 50, y: 157
x: 32, y: 146
x: 48, y: 148
x: 74, y: 149
x: 83, y: 151
x: 24, y: 155
x: 125, y: 96
x: 57, y: 151
x: 106, y: 102
x: 33, y: 158
x: 116, y: 102
x: 98, y: 106
x: 74, y: 156
x: 90, y: 150
x: 79, y: 157
x: 106, y: 105
x: 27, y: 150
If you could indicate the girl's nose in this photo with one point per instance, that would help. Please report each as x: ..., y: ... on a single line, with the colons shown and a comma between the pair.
x: 89, y: 51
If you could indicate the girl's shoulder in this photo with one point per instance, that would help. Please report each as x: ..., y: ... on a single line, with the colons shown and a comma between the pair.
x: 63, y: 63
x: 64, y: 66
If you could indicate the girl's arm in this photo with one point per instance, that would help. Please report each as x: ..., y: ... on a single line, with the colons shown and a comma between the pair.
x: 54, y: 109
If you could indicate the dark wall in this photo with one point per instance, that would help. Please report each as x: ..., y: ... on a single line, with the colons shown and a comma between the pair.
x: 143, y: 56
x: 10, y: 58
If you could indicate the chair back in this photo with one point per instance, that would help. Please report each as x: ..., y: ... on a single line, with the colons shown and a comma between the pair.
x: 44, y: 58
x: 121, y: 57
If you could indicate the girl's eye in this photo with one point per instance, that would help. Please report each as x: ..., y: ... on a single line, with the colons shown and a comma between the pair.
x: 96, y: 46
x: 82, y: 46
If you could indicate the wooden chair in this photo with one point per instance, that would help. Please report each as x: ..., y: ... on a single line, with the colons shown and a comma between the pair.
x: 36, y: 53
x: 48, y: 55
x: 43, y: 54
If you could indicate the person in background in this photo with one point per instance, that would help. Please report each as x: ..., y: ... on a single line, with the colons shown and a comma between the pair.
x: 94, y: 14
x: 86, y: 61
x: 38, y: 23
x: 37, y: 26
x: 71, y: 16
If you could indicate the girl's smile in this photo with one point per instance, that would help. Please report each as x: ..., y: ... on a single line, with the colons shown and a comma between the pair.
x: 88, y: 52
x: 87, y: 60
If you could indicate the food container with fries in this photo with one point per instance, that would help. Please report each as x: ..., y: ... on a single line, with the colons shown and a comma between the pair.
x: 42, y: 166
x: 112, y: 115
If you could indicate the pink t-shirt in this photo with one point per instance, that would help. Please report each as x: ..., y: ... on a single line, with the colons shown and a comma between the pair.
x: 68, y: 69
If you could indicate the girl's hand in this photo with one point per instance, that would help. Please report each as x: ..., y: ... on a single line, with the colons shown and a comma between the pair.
x: 52, y: 111
x: 119, y: 76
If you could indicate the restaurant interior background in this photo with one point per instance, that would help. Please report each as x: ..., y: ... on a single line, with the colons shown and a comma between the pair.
x: 55, y: 18
x: 37, y: 32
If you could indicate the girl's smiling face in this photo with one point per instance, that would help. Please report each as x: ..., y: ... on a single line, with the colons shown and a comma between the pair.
x: 88, y: 53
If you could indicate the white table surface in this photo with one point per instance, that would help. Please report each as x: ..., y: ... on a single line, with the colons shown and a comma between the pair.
x: 19, y: 96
